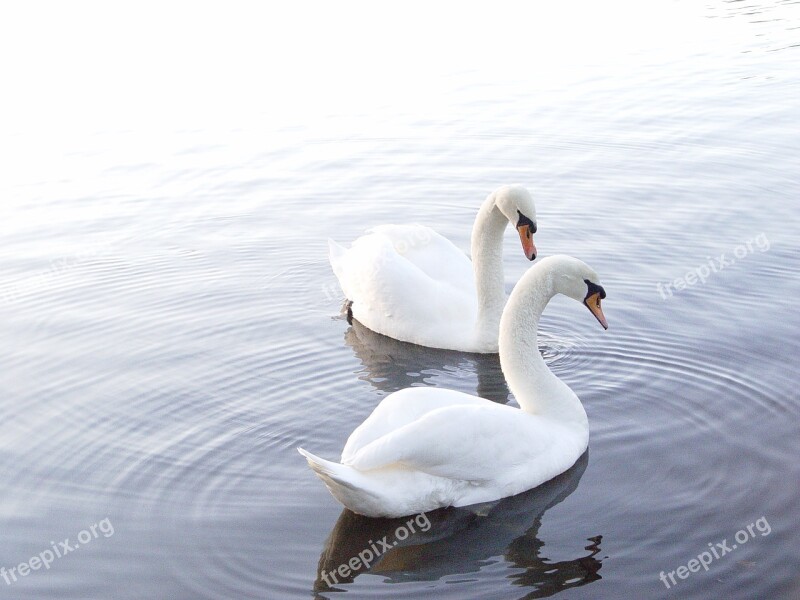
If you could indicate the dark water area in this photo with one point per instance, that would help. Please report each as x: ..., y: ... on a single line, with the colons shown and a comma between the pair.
x: 173, y: 331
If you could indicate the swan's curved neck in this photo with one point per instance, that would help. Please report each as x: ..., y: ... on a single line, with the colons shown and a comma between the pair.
x: 486, y: 247
x: 537, y: 390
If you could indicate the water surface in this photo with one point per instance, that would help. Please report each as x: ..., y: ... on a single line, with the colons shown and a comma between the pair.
x: 173, y: 330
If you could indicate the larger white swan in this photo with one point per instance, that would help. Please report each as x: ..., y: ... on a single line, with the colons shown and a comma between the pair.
x: 410, y: 283
x: 427, y: 448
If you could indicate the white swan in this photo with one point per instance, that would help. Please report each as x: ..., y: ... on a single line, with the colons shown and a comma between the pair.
x: 410, y: 283
x: 426, y: 448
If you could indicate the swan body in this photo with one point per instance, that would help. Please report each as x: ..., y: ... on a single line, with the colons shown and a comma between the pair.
x: 427, y: 448
x: 412, y: 284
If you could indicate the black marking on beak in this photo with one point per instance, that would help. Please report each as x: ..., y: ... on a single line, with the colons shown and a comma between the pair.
x: 593, y: 288
x: 523, y: 220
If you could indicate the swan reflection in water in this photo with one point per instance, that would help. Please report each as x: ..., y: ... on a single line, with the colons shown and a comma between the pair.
x: 391, y: 365
x: 461, y: 540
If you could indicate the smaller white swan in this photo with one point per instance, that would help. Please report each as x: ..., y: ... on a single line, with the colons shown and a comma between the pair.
x: 410, y: 283
x: 425, y: 448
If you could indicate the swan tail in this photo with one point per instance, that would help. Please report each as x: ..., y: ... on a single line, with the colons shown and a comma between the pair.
x: 346, y: 484
x: 336, y: 255
x: 335, y: 252
x: 330, y: 472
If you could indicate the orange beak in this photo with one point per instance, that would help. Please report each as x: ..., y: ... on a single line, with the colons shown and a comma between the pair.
x: 593, y: 304
x: 526, y: 237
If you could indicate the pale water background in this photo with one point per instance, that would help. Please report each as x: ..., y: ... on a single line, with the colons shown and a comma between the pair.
x: 171, y: 328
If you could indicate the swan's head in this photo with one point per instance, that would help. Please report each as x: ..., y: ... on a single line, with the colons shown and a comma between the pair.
x: 576, y: 279
x: 516, y: 204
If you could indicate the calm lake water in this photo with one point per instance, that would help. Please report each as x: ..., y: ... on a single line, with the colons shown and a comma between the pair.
x: 172, y: 328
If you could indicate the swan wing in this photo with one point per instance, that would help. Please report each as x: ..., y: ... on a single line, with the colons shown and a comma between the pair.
x: 431, y: 253
x: 399, y: 409
x: 420, y: 292
x: 478, y: 443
